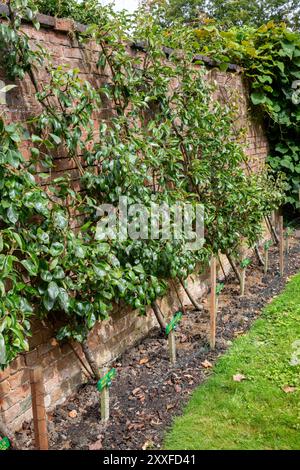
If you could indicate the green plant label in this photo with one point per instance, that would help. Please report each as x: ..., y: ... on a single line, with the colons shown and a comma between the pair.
x: 4, y: 443
x: 106, y: 380
x: 174, y: 322
x: 219, y: 288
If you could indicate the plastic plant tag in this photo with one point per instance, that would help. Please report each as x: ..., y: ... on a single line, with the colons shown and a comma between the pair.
x: 4, y: 444
x: 174, y: 322
x: 106, y: 380
x: 245, y: 263
x: 220, y: 286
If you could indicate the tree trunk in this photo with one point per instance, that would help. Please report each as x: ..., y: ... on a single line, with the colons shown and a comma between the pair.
x: 88, y: 373
x: 188, y: 293
x: 272, y: 230
x: 232, y: 264
x: 159, y: 316
x: 89, y: 357
x: 259, y: 257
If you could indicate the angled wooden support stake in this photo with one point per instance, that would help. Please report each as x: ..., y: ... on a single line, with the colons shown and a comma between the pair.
x: 38, y: 408
x: 213, y: 299
x: 286, y: 236
x: 281, y: 245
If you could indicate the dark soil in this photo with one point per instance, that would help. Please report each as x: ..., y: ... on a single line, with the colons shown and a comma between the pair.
x: 148, y: 392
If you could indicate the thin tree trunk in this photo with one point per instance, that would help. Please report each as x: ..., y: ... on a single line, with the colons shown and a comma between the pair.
x: 88, y: 373
x: 272, y: 230
x: 232, y: 264
x: 189, y: 294
x: 259, y: 257
x: 159, y: 316
x: 222, y: 267
x: 89, y: 357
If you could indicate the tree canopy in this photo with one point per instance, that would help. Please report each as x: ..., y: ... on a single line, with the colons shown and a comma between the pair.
x: 232, y: 12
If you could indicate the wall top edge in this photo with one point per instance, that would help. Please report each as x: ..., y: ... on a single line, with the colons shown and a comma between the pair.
x: 65, y: 25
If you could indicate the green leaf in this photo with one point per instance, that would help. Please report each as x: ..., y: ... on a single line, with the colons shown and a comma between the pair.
x: 56, y: 249
x: 2, y: 289
x: 12, y: 215
x: 36, y: 138
x: 60, y: 221
x: 2, y: 350
x: 258, y: 97
x: 53, y: 290
x: 56, y: 139
x: 30, y: 267
x: 64, y: 299
x: 48, y: 302
x: 19, y: 240
x: 58, y: 273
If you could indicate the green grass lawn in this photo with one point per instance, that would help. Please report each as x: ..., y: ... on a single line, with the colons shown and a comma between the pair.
x: 255, y: 413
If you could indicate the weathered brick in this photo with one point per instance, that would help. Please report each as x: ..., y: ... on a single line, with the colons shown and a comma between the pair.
x: 31, y: 358
x: 65, y: 25
x: 18, y: 379
x: 4, y: 388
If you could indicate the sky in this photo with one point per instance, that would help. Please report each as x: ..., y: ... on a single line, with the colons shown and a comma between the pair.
x: 130, y: 5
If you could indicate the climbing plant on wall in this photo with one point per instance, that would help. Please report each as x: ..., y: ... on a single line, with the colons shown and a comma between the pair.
x: 165, y: 142
x: 270, y: 56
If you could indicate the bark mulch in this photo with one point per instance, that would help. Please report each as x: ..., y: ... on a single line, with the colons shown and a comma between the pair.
x: 148, y: 392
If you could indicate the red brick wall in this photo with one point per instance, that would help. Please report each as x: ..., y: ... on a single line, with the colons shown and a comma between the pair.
x: 62, y: 369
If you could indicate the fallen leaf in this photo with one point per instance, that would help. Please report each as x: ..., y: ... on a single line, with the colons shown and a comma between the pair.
x: 288, y: 389
x: 177, y: 388
x: 170, y: 406
x: 96, y: 445
x: 155, y: 423
x: 144, y: 360
x: 53, y: 342
x: 206, y: 364
x: 147, y: 445
x: 135, y: 426
x: 239, y: 377
x: 183, y: 338
x: 239, y: 333
x: 73, y: 414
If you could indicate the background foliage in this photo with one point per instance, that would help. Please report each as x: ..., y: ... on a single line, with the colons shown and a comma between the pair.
x: 230, y: 13
x: 270, y: 56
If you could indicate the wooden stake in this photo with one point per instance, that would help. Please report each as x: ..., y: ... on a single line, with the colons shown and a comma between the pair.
x: 38, y: 408
x: 104, y: 400
x: 243, y: 278
x: 213, y: 296
x: 277, y: 221
x: 172, y: 346
x: 281, y: 245
x: 266, y: 267
x: 286, y: 244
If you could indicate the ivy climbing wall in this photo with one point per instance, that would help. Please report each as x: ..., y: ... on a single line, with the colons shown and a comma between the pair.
x: 63, y: 371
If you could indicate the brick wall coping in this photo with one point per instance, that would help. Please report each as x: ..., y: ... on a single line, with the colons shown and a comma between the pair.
x: 68, y: 25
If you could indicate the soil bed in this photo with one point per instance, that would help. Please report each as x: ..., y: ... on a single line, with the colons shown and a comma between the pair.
x: 148, y: 392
